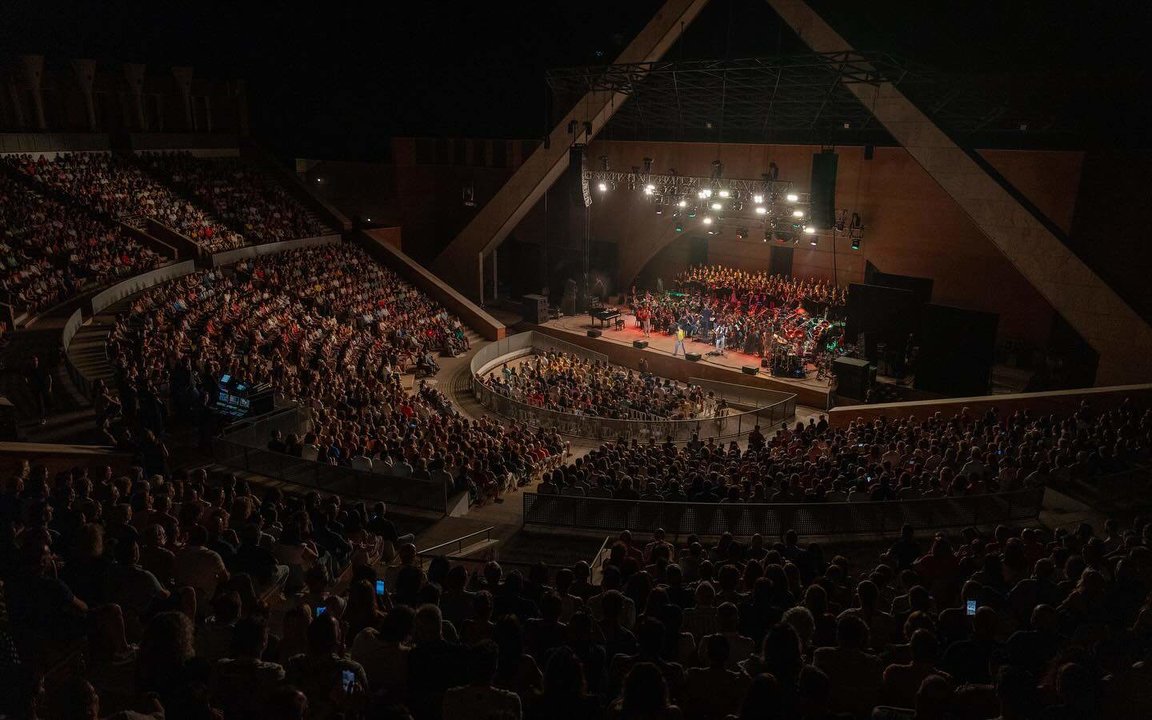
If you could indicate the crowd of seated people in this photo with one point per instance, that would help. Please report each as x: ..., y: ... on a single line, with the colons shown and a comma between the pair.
x: 759, y: 313
x: 52, y: 251
x: 116, y: 187
x: 197, y: 597
x: 562, y: 381
x: 880, y: 459
x: 238, y: 195
x: 334, y: 330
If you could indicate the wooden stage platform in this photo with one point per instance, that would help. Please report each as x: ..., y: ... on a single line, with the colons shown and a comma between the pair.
x: 617, y: 345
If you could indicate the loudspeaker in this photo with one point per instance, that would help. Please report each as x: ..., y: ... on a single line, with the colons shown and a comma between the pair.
x: 694, y: 357
x: 594, y: 333
x: 750, y: 369
x: 853, y: 377
x: 822, y: 206
x: 581, y: 193
x: 534, y: 308
x: 639, y: 344
x: 869, y: 152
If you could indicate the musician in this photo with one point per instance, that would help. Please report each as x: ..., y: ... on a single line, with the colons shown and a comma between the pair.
x: 679, y: 346
x: 721, y: 337
x: 644, y: 317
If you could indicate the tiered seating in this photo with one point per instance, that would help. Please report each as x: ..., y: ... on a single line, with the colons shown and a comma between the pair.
x: 239, y: 195
x: 200, y: 596
x: 883, y: 459
x: 331, y: 328
x: 52, y: 251
x: 114, y: 186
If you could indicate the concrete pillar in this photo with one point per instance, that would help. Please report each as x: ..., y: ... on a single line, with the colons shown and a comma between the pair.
x: 86, y: 75
x: 134, y: 75
x: 33, y: 67
x: 183, y: 76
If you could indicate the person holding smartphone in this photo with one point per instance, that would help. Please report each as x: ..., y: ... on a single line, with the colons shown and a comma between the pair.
x: 331, y: 680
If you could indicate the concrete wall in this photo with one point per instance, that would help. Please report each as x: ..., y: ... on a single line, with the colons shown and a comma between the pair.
x: 1062, y: 402
x: 228, y: 257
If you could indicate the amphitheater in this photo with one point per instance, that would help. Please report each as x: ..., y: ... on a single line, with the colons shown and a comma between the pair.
x: 838, y: 409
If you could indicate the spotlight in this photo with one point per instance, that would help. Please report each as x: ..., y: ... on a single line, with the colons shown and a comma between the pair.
x: 679, y: 227
x: 758, y: 199
x: 602, y: 187
x: 701, y: 195
x: 683, y: 203
x: 797, y: 213
x: 692, y: 212
x: 855, y: 242
x: 707, y: 220
x: 649, y: 189
x: 659, y: 209
x: 810, y: 230
x: 792, y: 197
x: 706, y: 192
x: 717, y: 206
x: 761, y: 211
x: 712, y: 231
x: 724, y: 193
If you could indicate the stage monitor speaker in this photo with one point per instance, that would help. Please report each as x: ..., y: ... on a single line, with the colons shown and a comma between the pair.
x: 639, y: 344
x: 594, y: 333
x: 853, y: 377
x: 822, y: 198
x: 693, y: 357
x: 750, y: 369
x: 534, y: 308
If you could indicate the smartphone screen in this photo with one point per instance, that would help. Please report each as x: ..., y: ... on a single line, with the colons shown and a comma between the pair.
x: 347, y: 680
x: 971, y: 607
x: 380, y: 588
x: 320, y: 609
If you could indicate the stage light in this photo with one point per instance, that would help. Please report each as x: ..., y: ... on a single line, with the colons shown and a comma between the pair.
x: 692, y: 212
x: 724, y: 193
x: 761, y: 211
x: 792, y: 197
x: 797, y: 213
x: 855, y: 243
x: 717, y: 206
x: 683, y: 203
x: 707, y: 220
x: 758, y: 199
x: 679, y: 226
x: 810, y: 230
x: 649, y: 189
x: 707, y: 192
x: 659, y: 209
x: 602, y: 187
x: 712, y: 231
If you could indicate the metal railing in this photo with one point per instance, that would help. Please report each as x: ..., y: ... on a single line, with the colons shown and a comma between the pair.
x: 767, y: 407
x: 245, y: 448
x: 458, y: 543
x: 772, y: 520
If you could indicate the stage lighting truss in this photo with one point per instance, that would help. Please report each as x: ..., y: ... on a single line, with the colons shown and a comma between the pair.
x: 740, y: 203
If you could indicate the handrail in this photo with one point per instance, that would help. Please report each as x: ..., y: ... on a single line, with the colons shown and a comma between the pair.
x: 728, y: 426
x: 458, y: 542
x: 772, y: 519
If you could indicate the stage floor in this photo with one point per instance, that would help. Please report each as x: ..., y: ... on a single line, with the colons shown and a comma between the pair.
x: 663, y: 344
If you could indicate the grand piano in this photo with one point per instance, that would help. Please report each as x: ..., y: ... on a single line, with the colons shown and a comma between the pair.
x: 605, y: 315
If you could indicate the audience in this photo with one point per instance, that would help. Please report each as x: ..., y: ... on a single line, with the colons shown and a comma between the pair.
x: 52, y: 251
x: 199, y: 640
x: 563, y: 382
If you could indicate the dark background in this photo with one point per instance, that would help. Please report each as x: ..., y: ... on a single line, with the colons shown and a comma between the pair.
x: 337, y: 79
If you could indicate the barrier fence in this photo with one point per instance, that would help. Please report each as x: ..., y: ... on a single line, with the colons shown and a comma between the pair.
x: 763, y: 408
x: 245, y: 448
x: 772, y: 520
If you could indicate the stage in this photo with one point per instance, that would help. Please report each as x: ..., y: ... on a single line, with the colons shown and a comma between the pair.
x: 617, y: 344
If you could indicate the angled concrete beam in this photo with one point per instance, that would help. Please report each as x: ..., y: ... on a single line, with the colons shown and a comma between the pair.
x: 1120, y: 336
x: 462, y: 262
